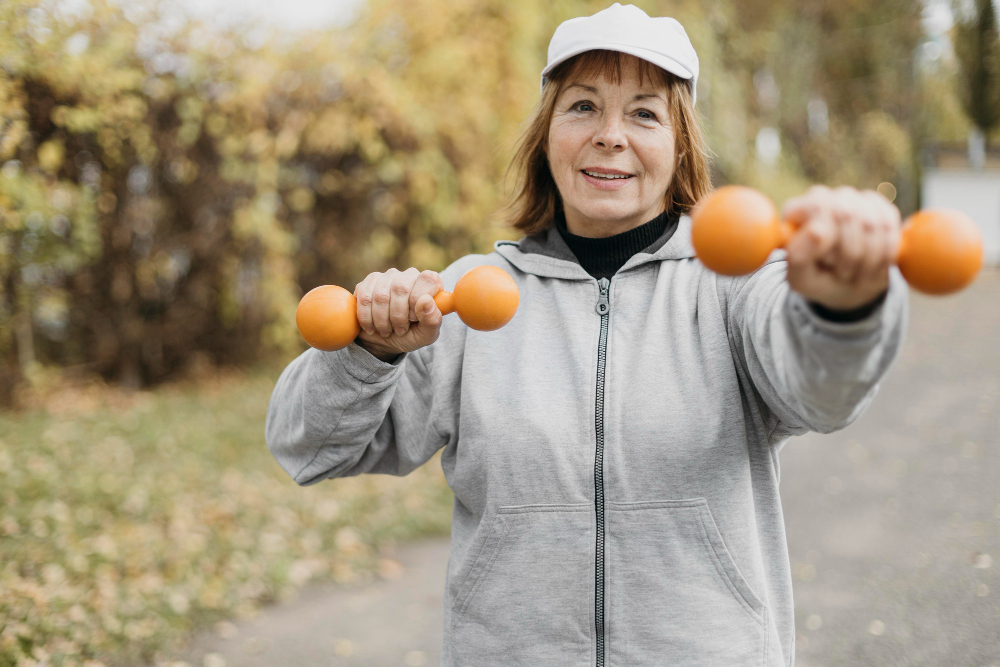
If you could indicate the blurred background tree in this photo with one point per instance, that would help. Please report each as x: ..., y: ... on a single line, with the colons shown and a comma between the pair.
x: 977, y: 47
x: 169, y: 189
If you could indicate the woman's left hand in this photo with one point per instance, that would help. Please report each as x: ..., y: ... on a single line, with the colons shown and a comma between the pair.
x: 846, y: 242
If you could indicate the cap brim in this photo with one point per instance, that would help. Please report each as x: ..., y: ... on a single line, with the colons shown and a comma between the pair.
x: 657, y: 59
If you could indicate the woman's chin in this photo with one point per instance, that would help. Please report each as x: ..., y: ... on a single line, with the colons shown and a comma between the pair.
x: 611, y: 216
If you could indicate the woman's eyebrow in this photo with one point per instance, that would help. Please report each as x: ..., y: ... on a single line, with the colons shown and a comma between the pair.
x: 591, y: 89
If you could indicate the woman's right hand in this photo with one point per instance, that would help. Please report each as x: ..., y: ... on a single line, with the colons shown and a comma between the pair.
x: 397, y: 312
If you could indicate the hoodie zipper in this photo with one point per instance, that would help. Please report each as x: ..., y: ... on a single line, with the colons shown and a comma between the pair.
x: 603, y: 309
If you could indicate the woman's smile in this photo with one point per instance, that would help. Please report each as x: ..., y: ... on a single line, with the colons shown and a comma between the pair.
x: 606, y: 179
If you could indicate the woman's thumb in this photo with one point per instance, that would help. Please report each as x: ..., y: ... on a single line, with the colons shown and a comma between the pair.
x: 428, y: 313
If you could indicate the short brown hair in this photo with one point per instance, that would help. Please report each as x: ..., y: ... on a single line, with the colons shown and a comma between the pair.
x: 535, y: 198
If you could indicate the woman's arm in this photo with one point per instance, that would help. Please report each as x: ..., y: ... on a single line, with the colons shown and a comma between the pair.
x: 367, y: 407
x: 343, y: 413
x: 814, y: 373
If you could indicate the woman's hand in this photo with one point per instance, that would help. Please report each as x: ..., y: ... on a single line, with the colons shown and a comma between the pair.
x: 847, y: 240
x: 396, y: 311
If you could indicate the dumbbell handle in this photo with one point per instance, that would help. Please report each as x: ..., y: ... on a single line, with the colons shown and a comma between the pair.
x: 445, y: 302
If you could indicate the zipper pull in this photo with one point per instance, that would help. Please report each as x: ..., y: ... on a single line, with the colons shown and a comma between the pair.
x: 603, y: 305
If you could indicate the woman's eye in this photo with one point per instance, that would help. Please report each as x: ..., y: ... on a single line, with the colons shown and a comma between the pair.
x: 583, y: 106
x: 646, y: 115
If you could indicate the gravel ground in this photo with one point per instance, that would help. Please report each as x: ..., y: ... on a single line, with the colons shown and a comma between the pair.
x: 893, y: 527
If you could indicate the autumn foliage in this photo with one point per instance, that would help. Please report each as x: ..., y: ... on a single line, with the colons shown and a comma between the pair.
x: 169, y: 191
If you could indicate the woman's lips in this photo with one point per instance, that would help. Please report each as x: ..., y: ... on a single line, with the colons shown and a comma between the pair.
x: 606, y: 183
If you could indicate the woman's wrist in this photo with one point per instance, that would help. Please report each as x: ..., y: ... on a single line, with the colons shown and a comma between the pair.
x: 380, y: 353
x: 849, y: 314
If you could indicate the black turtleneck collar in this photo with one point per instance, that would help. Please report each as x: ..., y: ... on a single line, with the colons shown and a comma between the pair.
x: 602, y: 257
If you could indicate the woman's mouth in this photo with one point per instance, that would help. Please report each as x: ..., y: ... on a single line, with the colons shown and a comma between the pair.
x: 603, y: 180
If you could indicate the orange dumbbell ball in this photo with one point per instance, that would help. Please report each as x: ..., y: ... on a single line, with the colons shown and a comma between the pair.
x: 735, y: 228
x: 941, y: 250
x: 485, y: 298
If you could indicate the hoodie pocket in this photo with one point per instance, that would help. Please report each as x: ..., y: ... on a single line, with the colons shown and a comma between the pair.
x: 675, y: 596
x: 528, y: 595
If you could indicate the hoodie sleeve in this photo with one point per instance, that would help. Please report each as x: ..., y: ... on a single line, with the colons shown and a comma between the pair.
x: 813, y: 374
x: 343, y: 413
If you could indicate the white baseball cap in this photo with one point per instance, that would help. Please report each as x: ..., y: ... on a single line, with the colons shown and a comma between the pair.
x: 626, y: 28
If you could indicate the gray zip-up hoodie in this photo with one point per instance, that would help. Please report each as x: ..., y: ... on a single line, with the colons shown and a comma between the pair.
x: 613, y: 451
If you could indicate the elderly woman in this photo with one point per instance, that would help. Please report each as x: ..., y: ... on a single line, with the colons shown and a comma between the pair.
x: 613, y: 450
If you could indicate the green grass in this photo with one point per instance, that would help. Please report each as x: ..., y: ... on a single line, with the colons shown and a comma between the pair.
x: 126, y: 521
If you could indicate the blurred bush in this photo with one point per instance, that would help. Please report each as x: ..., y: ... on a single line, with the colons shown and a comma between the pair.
x: 166, y: 193
x: 168, y: 190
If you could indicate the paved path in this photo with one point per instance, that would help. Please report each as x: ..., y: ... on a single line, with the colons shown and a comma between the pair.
x: 893, y: 527
x: 389, y: 623
x: 893, y: 524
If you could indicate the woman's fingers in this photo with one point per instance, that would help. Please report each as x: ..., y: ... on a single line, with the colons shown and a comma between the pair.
x: 428, y: 320
x: 877, y: 230
x: 816, y: 233
x: 871, y: 262
x: 363, y: 293
x: 389, y: 303
x: 381, y: 298
x: 427, y: 311
x: 399, y: 303
x: 427, y: 283
x: 850, y: 215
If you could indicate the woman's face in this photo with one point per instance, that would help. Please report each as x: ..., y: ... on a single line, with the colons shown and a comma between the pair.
x: 599, y: 131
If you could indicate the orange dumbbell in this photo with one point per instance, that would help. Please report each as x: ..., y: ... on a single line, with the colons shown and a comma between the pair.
x: 735, y: 228
x: 485, y: 298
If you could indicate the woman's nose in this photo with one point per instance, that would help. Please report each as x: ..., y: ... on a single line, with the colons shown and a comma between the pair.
x: 611, y: 134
